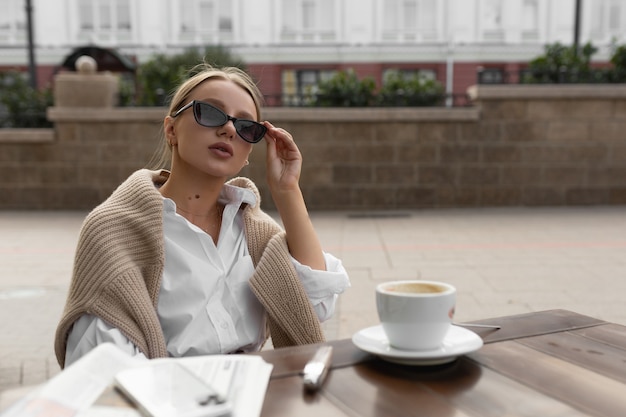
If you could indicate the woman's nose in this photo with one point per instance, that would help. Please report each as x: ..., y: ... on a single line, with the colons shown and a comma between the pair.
x: 229, y: 129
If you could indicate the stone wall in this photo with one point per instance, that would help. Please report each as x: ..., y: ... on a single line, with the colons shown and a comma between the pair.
x: 519, y: 145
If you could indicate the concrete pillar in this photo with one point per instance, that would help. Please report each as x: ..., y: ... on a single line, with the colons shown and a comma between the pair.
x: 86, y: 87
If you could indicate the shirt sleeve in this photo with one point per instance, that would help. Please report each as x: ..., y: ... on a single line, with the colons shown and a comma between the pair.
x: 88, y: 332
x: 323, y: 287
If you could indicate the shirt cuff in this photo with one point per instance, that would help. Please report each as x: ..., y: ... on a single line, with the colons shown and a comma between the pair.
x: 323, y: 287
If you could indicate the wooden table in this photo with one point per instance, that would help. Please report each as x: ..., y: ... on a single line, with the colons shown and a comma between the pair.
x: 551, y: 363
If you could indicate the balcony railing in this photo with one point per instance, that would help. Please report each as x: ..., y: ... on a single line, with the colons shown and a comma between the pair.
x: 306, y: 100
x: 25, y: 119
x: 559, y: 76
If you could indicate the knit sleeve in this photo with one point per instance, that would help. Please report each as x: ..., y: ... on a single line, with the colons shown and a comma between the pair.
x: 118, y: 266
x: 292, y: 319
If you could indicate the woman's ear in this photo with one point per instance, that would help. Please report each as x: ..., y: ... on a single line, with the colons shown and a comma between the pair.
x: 170, y: 132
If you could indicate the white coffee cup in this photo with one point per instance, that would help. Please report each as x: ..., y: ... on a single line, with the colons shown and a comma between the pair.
x: 415, y: 314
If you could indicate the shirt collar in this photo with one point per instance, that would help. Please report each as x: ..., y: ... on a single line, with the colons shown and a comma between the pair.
x: 229, y: 196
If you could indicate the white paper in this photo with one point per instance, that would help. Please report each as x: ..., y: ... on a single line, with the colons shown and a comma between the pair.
x: 243, y: 379
x: 108, y: 411
x: 76, y: 387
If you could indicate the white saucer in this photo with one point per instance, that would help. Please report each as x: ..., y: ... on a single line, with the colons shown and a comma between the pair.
x: 458, y: 341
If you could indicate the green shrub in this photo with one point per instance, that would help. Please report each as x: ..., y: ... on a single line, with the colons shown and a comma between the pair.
x: 345, y: 90
x: 618, y: 59
x: 563, y: 64
x: 22, y: 106
x: 159, y: 77
x: 398, y: 90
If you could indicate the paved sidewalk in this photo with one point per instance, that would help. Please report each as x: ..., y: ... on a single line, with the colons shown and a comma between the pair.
x: 503, y: 261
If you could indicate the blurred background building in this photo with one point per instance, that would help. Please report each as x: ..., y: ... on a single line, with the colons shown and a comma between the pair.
x: 290, y: 45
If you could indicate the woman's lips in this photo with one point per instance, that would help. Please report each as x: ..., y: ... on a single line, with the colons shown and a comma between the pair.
x: 222, y: 149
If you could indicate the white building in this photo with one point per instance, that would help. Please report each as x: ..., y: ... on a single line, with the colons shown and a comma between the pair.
x: 294, y: 41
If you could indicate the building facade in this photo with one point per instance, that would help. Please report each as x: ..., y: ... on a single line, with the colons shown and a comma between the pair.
x: 290, y: 45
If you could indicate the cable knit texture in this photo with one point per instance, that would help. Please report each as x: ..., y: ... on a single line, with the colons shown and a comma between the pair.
x: 119, y: 264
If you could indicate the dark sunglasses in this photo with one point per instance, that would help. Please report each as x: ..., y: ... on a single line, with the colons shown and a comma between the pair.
x: 210, y: 116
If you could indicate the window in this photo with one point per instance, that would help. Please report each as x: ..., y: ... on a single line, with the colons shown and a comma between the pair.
x: 308, y: 21
x: 490, y: 76
x: 104, y: 21
x: 530, y: 19
x: 492, y: 27
x: 410, y: 74
x: 409, y: 20
x: 298, y: 86
x: 12, y: 22
x: 608, y: 20
x: 206, y: 21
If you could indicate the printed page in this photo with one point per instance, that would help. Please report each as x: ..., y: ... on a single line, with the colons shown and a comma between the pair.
x: 76, y: 387
x: 243, y: 379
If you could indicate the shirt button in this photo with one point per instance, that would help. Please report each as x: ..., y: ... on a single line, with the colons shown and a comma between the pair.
x: 224, y: 325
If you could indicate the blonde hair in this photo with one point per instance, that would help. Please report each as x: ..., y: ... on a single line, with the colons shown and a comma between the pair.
x: 203, y: 72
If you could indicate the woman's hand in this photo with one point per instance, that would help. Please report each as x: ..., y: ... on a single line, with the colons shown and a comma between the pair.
x: 284, y: 160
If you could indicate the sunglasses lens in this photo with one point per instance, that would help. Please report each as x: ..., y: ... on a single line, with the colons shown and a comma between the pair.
x: 209, y: 116
x: 250, y: 131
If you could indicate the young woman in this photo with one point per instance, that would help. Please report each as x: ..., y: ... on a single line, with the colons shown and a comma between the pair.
x: 184, y: 262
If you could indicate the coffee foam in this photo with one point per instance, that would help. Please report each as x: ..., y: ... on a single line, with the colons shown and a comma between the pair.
x: 416, y: 288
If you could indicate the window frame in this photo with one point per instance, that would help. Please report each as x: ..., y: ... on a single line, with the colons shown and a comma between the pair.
x: 428, y: 20
x: 199, y: 33
x: 14, y: 29
x: 315, y: 32
x: 116, y: 32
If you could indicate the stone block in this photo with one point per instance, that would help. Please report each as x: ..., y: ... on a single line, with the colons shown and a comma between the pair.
x: 595, y: 153
x: 433, y: 175
x: 504, y: 109
x: 373, y: 197
x: 569, y: 109
x: 500, y: 196
x: 374, y: 153
x: 395, y: 174
x: 617, y: 153
x: 486, y: 131
x: 396, y: 133
x: 86, y: 90
x: 329, y: 152
x: 352, y: 174
x: 417, y: 153
x: 437, y: 132
x: 543, y: 196
x: 524, y: 131
x: 620, y: 110
x: 416, y: 197
x: 459, y: 152
x: 617, y: 195
x: 525, y: 174
x: 479, y: 175
x: 607, y: 130
x: 330, y: 197
x: 317, y: 173
x: 571, y: 130
x: 453, y: 196
x: 496, y: 153
x: 586, y: 196
x: 563, y: 175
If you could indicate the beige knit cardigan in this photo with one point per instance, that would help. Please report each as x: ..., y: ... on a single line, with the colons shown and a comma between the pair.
x: 119, y: 264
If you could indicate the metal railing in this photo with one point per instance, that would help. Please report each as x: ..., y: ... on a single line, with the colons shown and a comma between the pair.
x: 26, y: 119
x: 557, y: 76
x: 306, y: 100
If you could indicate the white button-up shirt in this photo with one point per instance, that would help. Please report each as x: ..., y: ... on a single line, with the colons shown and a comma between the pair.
x: 205, y: 304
